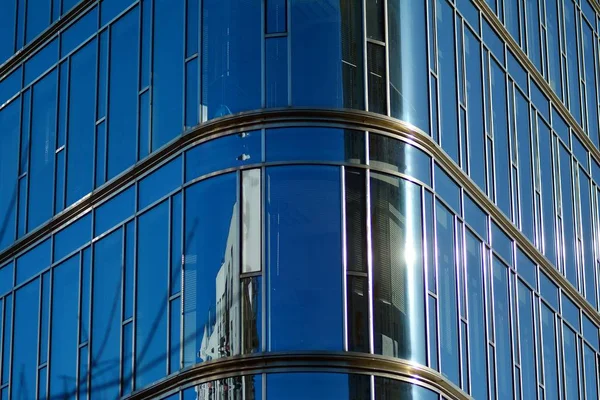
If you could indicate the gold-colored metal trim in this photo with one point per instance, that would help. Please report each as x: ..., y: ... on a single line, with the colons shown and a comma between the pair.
x: 264, y: 118
x: 344, y: 362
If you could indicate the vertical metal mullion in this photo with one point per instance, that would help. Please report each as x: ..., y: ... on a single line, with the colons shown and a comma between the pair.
x: 344, y: 256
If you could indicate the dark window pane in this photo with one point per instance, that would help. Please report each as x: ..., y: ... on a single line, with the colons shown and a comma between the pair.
x: 9, y: 153
x: 398, y: 287
x: 240, y: 387
x: 358, y: 314
x: 167, y: 75
x: 276, y: 16
x: 24, y: 352
x: 6, y: 337
x: 390, y: 389
x: 251, y: 314
x: 377, y: 78
x: 315, y: 144
x: 226, y: 152
x: 356, y: 220
x: 152, y: 295
x: 106, y: 316
x: 375, y: 20
x: 231, y: 62
x: 304, y: 258
x: 63, y: 349
x: 317, y: 386
x: 396, y: 155
x: 276, y: 71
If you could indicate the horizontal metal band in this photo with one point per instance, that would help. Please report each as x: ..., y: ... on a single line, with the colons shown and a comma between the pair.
x: 282, y: 117
x: 45, y: 36
x: 340, y: 362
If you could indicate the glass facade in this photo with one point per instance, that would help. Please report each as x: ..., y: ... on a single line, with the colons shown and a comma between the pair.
x: 290, y: 199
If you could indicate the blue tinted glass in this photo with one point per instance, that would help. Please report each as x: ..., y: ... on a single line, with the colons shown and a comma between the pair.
x: 581, y: 154
x: 525, y: 166
x: 527, y: 341
x: 84, y: 320
x: 114, y: 211
x: 547, y: 183
x: 590, y: 331
x: 501, y: 143
x: 337, y: 79
x: 144, y: 133
x: 476, y: 143
x: 9, y: 153
x: 192, y: 101
x: 447, y: 293
x: 388, y: 153
x: 80, y: 143
x: 447, y: 189
x: 548, y: 290
x: 470, y: 12
x: 570, y: 363
x: 7, y: 31
x: 111, y: 8
x: 590, y: 78
x: 192, y: 31
x: 145, y: 42
x: 176, y: 243
x: 502, y: 319
x: 100, y: 154
x: 63, y: 95
x: 127, y: 373
x: 106, y: 318
x: 539, y: 100
x: 167, y: 75
x: 476, y: 310
x: 73, y: 236
x: 570, y: 312
x: 103, y: 49
x: 571, y: 48
x: 40, y: 62
x: 43, y: 136
x: 430, y: 242
x: 318, y: 386
x: 6, y: 279
x: 276, y: 71
x: 502, y: 243
x: 493, y: 41
x: 42, y: 381
x: 83, y: 372
x: 447, y: 74
x: 304, y: 258
x: 587, y: 262
x: 318, y: 144
x: 152, y: 295
x: 211, y: 284
x: 38, y: 17
x: 59, y: 193
x: 65, y: 302
x: 34, y: 261
x: 123, y: 89
x: 226, y: 152
x: 533, y: 39
x: 552, y: 24
x: 24, y: 352
x: 407, y: 38
x: 526, y: 268
x: 516, y: 71
x: 10, y: 85
x: 276, y: 16
x: 249, y: 387
x: 566, y: 182
x: 591, y: 373
x: 560, y: 126
x: 8, y: 308
x: 231, y: 62
x: 130, y: 255
x: 78, y: 32
x: 397, y: 268
x: 174, y: 332
x: 159, y: 183
x: 476, y: 217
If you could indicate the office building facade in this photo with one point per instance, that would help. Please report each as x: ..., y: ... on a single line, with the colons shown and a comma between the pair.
x: 293, y: 199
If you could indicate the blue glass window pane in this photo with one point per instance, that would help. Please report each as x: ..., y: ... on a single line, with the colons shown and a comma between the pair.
x: 516, y: 71
x: 84, y: 318
x: 448, y: 314
x: 6, y: 337
x: 276, y: 16
x: 474, y: 85
x: 549, y: 290
x: 160, y: 182
x: 447, y: 189
x: 430, y: 243
x: 337, y: 79
x: 476, y: 217
x: 83, y: 373
x: 211, y: 270
x: 80, y: 142
x: 8, y: 24
x: 399, y: 329
x: 526, y: 268
x: 493, y: 41
x: 144, y: 133
x: 566, y: 181
x: 111, y: 8
x: 34, y: 261
x: 40, y: 62
x: 114, y: 211
x: 388, y: 153
x: 315, y: 144
x: 24, y: 354
x: 127, y: 365
x: 570, y: 312
x: 123, y: 91
x: 552, y: 24
x: 571, y: 26
x: 304, y: 258
x: 550, y: 359
x: 559, y: 125
x: 525, y: 166
x: 6, y: 279
x: 192, y: 33
x: 590, y: 82
x: 527, y: 342
x: 231, y: 61
x: 192, y: 101
x: 130, y: 255
x: 570, y: 363
x: 447, y: 74
x: 502, y: 243
x: 38, y: 17
x: 103, y: 71
x: 106, y: 318
x: 42, y: 381
x: 580, y: 152
x: 67, y: 5
x: 43, y: 136
x: 100, y: 154
x: 11, y: 84
x: 9, y: 153
x: 249, y: 387
x: 174, y: 332
x: 476, y: 310
x: 276, y: 73
x: 77, y: 33
x: 407, y: 38
x: 547, y: 183
x: 167, y: 75
x: 502, y: 319
x: 501, y: 143
x: 533, y: 39
x: 65, y: 302
x: 146, y: 44
x: 176, y: 243
x: 587, y: 260
x: 152, y: 295
x: 390, y: 389
x: 318, y: 386
x: 590, y: 331
x: 73, y: 236
x: 540, y: 101
x: 226, y: 152
x: 591, y: 373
